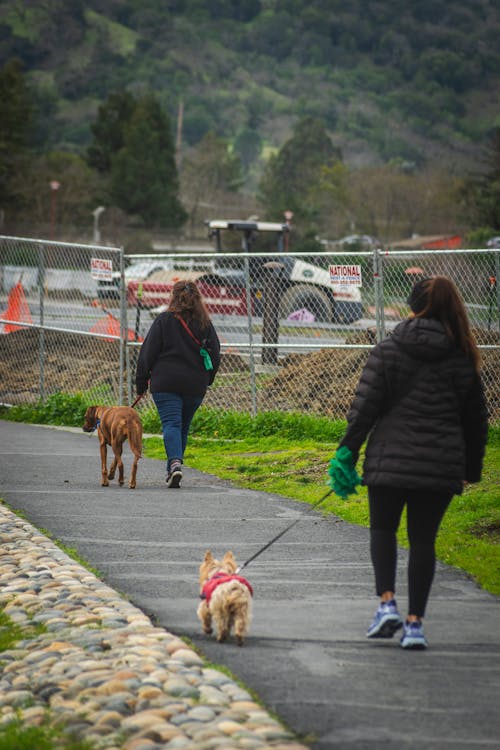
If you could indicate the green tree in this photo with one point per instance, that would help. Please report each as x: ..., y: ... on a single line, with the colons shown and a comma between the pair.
x: 291, y: 177
x: 143, y: 176
x: 15, y: 128
x: 76, y: 196
x: 482, y: 192
x: 108, y: 130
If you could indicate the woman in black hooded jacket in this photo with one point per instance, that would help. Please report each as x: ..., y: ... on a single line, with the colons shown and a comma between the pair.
x: 420, y: 399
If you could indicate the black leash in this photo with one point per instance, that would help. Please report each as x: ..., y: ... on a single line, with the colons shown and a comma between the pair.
x: 311, y: 507
x: 137, y: 401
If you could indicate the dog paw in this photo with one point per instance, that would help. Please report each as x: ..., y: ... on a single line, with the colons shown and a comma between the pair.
x: 208, y: 630
x: 240, y: 640
x: 105, y: 483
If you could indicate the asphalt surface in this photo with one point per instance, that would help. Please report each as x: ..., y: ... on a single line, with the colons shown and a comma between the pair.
x: 307, y: 656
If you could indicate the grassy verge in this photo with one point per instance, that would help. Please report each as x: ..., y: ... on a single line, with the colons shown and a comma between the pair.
x: 288, y: 454
x: 469, y: 537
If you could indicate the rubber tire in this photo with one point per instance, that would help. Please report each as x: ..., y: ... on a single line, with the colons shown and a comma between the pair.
x: 311, y: 298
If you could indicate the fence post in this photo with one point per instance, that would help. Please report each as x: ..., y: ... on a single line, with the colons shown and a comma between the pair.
x: 123, y: 327
x: 497, y: 285
x: 270, y: 313
x: 378, y: 284
x: 41, y: 294
x: 246, y: 249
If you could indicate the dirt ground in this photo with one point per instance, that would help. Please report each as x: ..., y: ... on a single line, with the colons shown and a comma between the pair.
x: 322, y: 382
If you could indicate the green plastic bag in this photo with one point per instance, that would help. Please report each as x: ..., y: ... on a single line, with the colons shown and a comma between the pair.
x: 207, y: 360
x: 343, y: 476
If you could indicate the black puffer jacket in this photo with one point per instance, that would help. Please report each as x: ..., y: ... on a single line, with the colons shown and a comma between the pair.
x: 171, y: 359
x: 428, y: 430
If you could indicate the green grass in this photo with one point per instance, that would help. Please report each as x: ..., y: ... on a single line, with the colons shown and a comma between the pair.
x: 11, y: 632
x: 288, y: 454
x: 297, y: 468
x: 17, y: 736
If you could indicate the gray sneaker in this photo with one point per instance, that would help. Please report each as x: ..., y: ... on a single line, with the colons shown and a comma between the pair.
x: 174, y: 476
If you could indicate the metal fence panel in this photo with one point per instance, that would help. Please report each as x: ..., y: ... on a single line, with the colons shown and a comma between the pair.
x: 295, y: 329
x: 55, y: 335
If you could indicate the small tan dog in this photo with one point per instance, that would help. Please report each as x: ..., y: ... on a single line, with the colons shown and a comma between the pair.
x: 226, y: 598
x: 114, y: 425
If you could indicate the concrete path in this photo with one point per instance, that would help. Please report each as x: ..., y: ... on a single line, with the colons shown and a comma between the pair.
x: 307, y: 656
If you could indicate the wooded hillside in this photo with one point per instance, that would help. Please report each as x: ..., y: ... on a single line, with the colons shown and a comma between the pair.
x: 399, y: 80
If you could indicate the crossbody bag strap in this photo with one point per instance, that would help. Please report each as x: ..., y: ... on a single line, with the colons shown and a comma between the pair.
x: 187, y: 328
x: 205, y: 355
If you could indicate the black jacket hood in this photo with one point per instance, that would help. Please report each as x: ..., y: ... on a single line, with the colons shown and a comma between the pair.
x: 423, y: 339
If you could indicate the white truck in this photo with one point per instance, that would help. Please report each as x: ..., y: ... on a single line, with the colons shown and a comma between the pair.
x: 303, y: 286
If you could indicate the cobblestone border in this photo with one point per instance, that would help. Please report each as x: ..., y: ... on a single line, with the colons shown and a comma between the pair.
x: 103, y: 670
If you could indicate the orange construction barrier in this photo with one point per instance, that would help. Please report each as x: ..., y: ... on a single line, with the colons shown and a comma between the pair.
x: 17, y: 309
x: 111, y: 326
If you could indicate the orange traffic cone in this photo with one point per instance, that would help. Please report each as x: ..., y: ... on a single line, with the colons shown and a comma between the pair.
x: 17, y: 309
x: 111, y: 326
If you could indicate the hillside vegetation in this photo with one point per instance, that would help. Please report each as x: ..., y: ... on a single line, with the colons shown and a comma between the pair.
x: 392, y: 79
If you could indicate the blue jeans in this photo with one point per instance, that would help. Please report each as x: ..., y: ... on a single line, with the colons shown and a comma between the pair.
x: 176, y: 413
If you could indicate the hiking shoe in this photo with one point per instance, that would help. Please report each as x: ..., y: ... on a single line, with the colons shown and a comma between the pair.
x: 413, y: 636
x: 174, y: 476
x: 386, y: 621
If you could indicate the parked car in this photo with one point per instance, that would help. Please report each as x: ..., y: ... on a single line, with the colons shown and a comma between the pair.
x: 139, y: 271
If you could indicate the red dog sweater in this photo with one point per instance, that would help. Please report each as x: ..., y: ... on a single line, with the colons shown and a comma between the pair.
x: 216, y: 580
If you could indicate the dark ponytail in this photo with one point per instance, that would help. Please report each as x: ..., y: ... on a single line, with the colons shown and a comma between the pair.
x: 439, y: 298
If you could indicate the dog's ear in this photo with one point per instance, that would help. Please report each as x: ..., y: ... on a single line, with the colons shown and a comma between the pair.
x: 208, y: 556
x: 229, y: 561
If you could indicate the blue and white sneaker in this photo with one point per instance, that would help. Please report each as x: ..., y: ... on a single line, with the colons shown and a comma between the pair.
x: 413, y: 636
x: 386, y: 621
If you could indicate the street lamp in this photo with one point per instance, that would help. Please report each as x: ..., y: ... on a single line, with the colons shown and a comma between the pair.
x: 54, y: 187
x: 96, y: 213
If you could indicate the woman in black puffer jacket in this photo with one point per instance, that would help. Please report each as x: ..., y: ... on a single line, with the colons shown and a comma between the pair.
x: 420, y: 399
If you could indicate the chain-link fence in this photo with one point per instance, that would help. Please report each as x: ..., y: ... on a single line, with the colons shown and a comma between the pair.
x: 295, y: 329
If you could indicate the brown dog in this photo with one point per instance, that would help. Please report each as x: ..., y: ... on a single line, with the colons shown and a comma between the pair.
x: 114, y: 425
x: 226, y: 598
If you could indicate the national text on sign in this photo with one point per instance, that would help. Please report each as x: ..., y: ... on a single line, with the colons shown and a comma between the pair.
x: 345, y: 275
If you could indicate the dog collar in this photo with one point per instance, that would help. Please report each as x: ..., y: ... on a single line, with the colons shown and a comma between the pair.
x: 94, y: 428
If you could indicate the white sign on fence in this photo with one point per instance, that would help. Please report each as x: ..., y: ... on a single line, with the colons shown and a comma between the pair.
x: 101, y: 269
x: 348, y: 275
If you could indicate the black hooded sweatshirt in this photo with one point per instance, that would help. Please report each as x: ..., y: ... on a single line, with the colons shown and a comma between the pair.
x: 422, y: 404
x: 170, y: 359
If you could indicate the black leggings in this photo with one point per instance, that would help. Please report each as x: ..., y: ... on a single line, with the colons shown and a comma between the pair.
x: 425, y: 511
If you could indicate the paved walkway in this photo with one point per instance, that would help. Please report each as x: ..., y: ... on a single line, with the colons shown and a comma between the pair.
x: 306, y: 657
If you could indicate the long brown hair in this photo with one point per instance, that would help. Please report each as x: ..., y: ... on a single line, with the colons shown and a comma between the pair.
x: 186, y: 301
x: 438, y: 297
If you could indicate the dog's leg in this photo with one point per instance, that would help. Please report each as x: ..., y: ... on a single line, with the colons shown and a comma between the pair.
x: 241, y: 626
x: 222, y: 620
x: 133, y: 473
x: 112, y: 469
x: 205, y: 618
x: 117, y: 462
x: 104, y: 471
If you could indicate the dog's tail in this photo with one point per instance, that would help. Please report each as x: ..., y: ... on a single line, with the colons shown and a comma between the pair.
x: 238, y: 598
x: 134, y: 428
